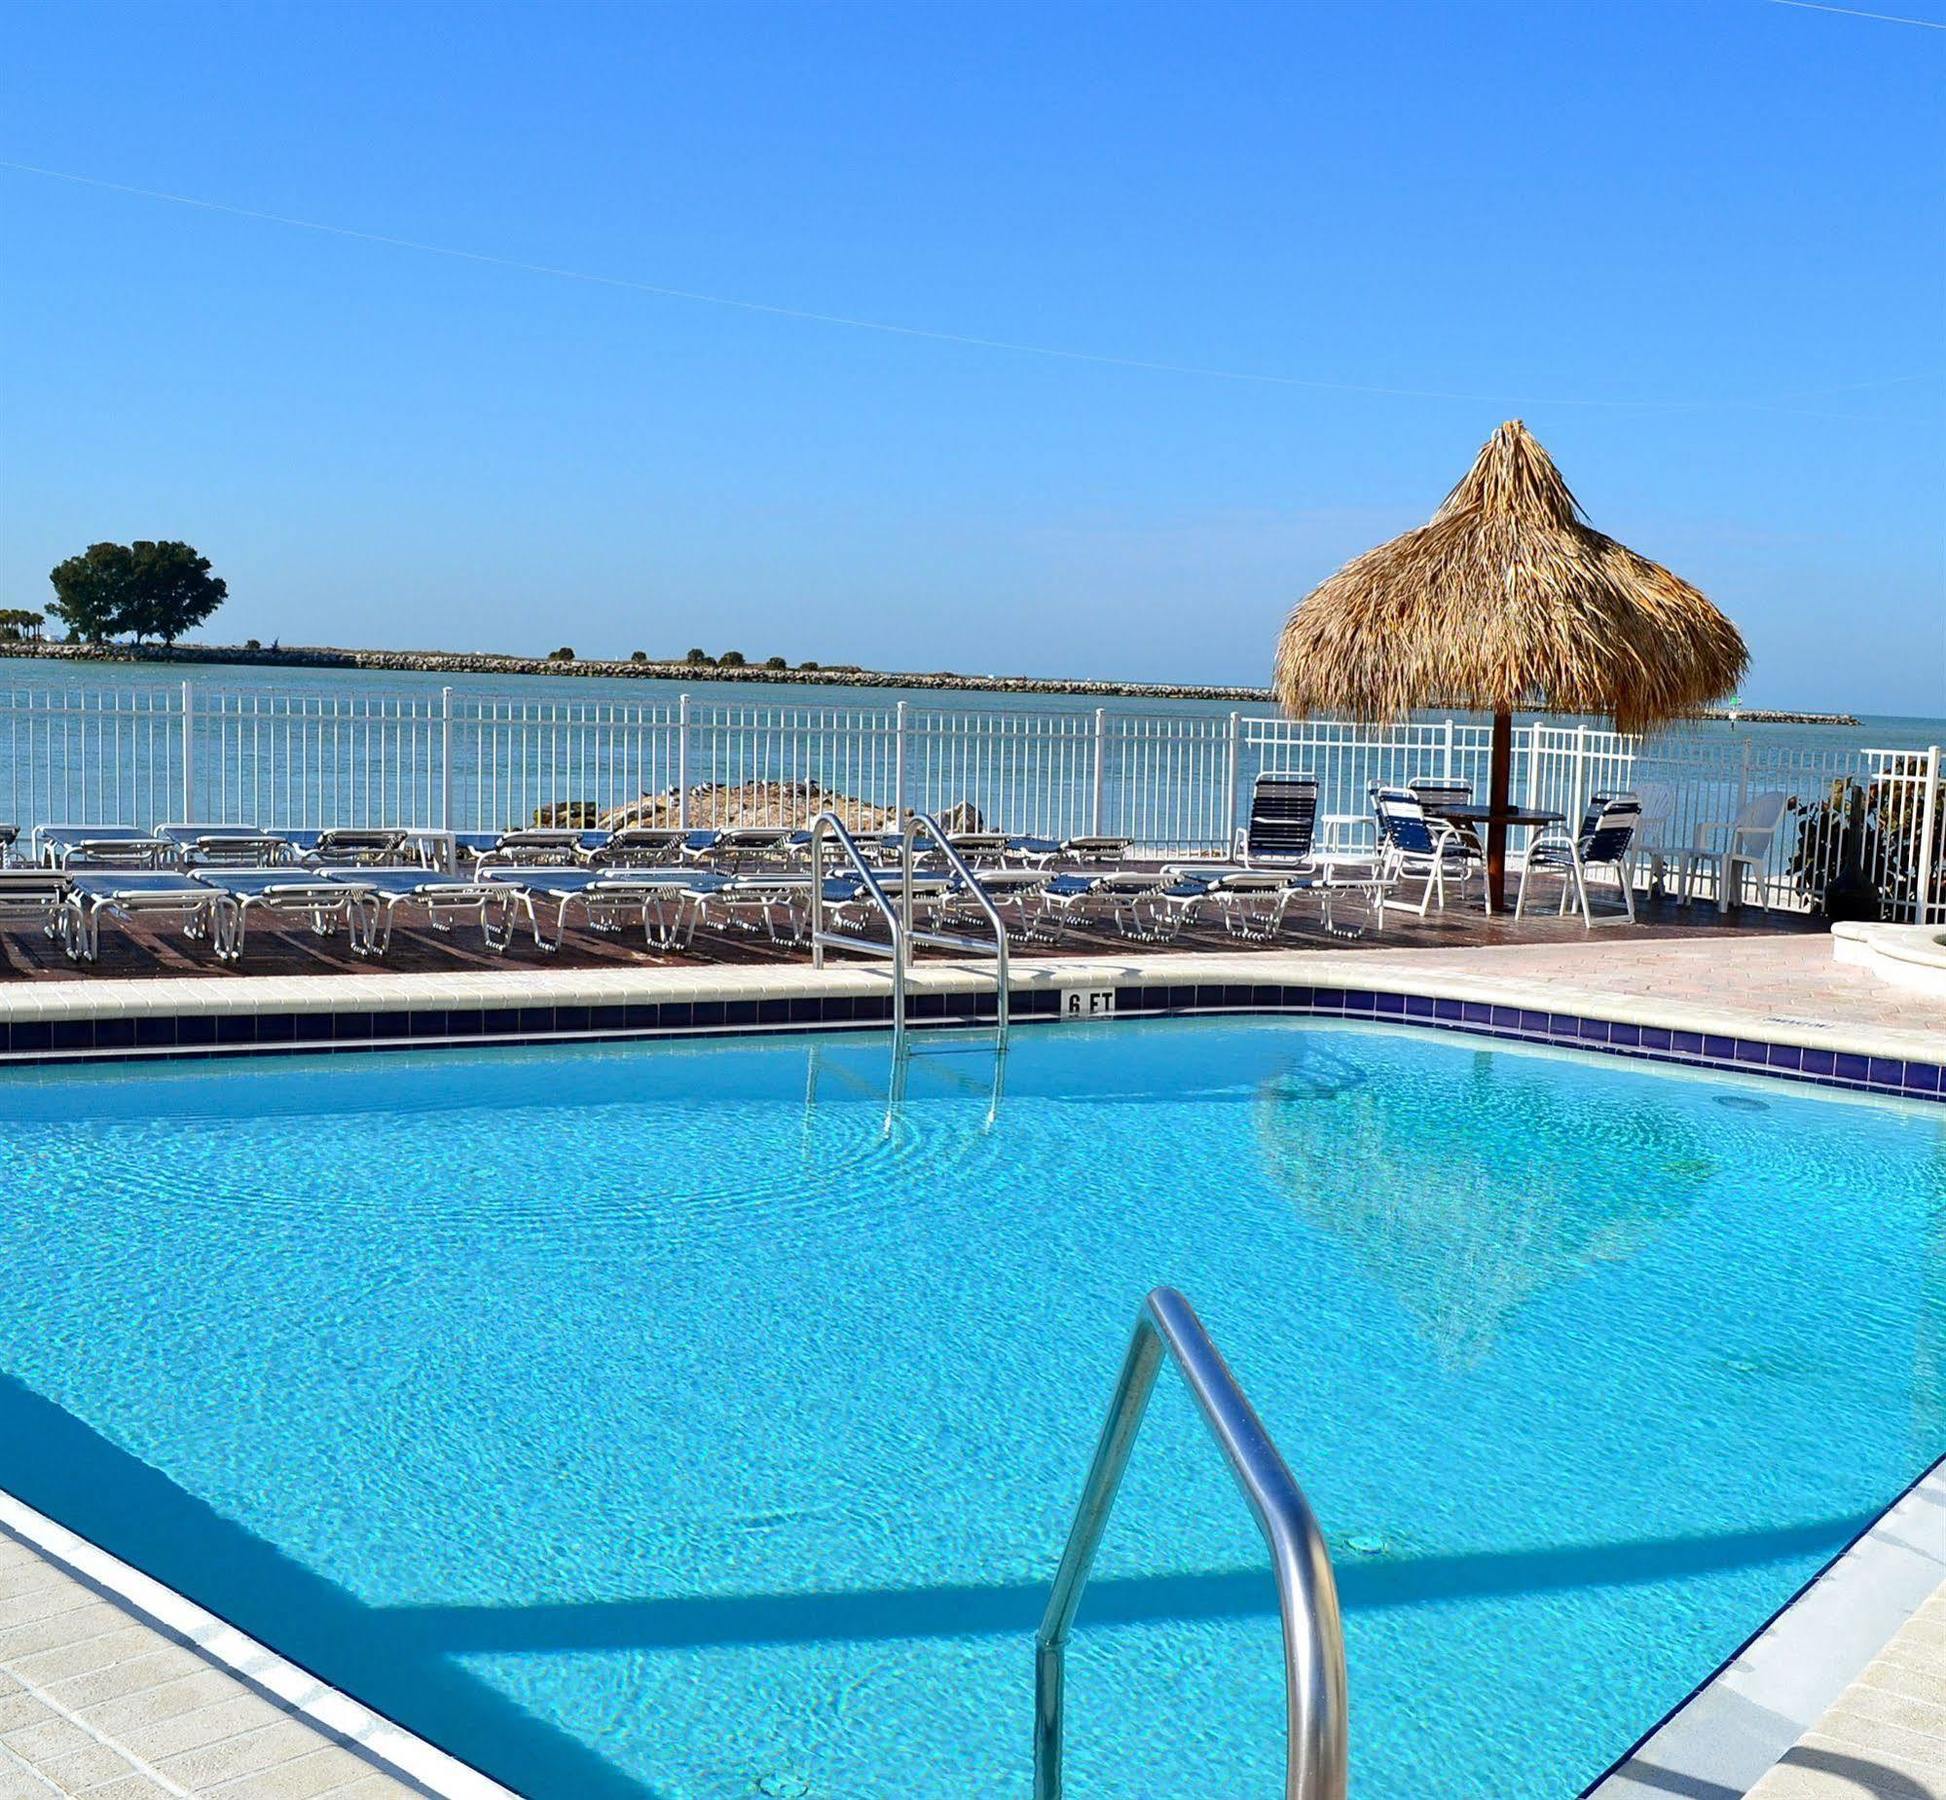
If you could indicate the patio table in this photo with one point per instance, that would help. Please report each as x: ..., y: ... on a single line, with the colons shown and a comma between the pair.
x: 1533, y: 817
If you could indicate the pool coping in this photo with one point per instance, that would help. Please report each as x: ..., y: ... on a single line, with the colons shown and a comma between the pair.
x: 1728, y: 1733
x: 386, y: 1747
x: 116, y: 1020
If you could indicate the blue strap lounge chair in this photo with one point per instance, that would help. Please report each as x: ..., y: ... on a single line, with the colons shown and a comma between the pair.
x: 102, y: 846
x: 33, y: 896
x: 352, y: 846
x: 441, y: 898
x: 125, y: 895
x: 1606, y: 838
x: 641, y: 847
x: 323, y: 900
x: 608, y: 900
x: 226, y: 846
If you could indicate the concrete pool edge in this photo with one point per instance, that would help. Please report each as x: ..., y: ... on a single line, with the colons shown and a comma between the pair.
x: 193, y: 1016
x: 385, y: 1748
x: 1723, y: 1738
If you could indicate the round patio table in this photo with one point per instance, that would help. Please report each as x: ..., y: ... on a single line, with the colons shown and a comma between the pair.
x: 1535, y: 818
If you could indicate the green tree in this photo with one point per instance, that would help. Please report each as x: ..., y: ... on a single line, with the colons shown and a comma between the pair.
x: 149, y: 589
x: 775, y: 662
x: 696, y: 658
x: 17, y: 623
x: 730, y: 659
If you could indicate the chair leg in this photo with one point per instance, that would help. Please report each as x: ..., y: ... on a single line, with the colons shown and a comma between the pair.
x: 1581, y: 888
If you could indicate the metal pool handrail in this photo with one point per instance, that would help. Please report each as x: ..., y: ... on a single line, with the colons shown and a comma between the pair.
x: 1307, y: 1596
x: 920, y: 825
x: 828, y: 824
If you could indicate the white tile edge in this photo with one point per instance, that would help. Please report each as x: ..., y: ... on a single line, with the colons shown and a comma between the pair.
x: 1732, y: 1730
x: 387, y: 1747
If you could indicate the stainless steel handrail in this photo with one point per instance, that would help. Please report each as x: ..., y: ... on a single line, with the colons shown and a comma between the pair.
x: 829, y: 825
x: 1314, y: 1644
x: 919, y: 825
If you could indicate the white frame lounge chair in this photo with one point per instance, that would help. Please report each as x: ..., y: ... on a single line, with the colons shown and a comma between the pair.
x: 226, y: 846
x: 202, y: 912
x: 102, y: 847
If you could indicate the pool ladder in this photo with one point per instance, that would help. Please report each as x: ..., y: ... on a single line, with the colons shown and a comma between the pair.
x: 1307, y: 1596
x: 902, y: 933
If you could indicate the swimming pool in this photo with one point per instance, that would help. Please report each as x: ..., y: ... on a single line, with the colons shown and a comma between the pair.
x: 642, y: 1421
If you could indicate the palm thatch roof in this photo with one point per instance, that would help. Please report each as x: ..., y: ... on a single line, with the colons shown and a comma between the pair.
x: 1507, y: 600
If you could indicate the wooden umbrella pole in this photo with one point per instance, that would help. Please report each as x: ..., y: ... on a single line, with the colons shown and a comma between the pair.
x: 1503, y: 756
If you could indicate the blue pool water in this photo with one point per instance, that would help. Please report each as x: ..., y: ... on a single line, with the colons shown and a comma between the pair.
x: 640, y: 1421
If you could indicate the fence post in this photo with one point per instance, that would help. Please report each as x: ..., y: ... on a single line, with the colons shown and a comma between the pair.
x: 1928, y: 822
x: 1743, y: 778
x: 1230, y: 785
x: 682, y: 762
x: 1578, y: 784
x: 1446, y: 764
x: 899, y: 809
x: 445, y: 759
x: 1101, y: 755
x: 188, y: 751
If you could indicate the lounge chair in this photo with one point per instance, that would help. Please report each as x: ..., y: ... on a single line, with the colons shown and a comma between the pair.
x: 125, y: 895
x: 1605, y: 839
x: 607, y: 899
x: 1744, y: 845
x: 351, y: 846
x: 33, y: 897
x: 543, y: 846
x: 442, y: 898
x: 324, y: 900
x: 641, y: 847
x: 226, y: 846
x: 102, y: 846
x: 739, y: 847
x: 1413, y: 846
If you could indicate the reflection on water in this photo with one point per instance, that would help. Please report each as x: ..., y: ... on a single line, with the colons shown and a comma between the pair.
x: 1474, y: 1185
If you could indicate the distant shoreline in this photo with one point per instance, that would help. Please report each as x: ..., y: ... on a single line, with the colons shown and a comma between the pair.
x: 445, y: 662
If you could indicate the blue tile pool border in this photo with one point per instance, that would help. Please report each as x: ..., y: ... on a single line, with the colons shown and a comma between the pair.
x: 364, y: 1028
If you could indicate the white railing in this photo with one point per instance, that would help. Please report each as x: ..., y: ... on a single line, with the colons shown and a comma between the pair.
x: 1174, y: 781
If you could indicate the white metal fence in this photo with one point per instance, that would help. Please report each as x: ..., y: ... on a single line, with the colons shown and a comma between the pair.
x: 1173, y: 781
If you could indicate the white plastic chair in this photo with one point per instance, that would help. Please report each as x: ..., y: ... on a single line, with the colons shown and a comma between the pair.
x: 1746, y: 847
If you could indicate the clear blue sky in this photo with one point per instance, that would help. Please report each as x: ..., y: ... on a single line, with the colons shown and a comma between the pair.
x: 1699, y: 247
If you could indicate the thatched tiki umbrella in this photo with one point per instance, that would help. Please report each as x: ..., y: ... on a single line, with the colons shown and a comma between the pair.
x: 1508, y: 600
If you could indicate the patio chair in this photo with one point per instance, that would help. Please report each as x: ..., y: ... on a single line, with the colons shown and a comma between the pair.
x: 1282, y: 825
x: 1437, y: 792
x: 9, y: 838
x: 1652, y: 839
x: 226, y: 846
x: 124, y: 895
x: 101, y: 846
x: 1411, y: 845
x: 1744, y: 844
x: 542, y: 845
x: 323, y: 900
x: 1607, y: 833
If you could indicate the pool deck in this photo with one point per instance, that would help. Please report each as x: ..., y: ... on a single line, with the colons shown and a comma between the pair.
x: 115, y: 1687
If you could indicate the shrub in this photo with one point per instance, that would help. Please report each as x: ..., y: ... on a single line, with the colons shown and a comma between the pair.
x: 697, y: 657
x: 638, y: 656
x: 564, y: 654
x: 730, y: 659
x: 251, y: 644
x: 807, y: 665
x: 775, y: 662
